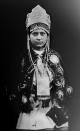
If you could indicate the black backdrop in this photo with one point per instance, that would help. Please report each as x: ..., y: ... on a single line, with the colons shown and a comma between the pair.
x: 65, y: 16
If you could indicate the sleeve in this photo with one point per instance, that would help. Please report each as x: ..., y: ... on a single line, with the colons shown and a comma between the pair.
x: 18, y: 95
x: 63, y: 89
x: 62, y: 92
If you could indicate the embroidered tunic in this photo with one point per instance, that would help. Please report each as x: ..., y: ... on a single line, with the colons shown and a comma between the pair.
x: 44, y: 89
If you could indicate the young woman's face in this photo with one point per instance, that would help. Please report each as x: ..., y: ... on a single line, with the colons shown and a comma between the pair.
x: 38, y: 37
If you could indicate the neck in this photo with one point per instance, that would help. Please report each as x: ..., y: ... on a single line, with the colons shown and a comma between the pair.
x: 39, y: 52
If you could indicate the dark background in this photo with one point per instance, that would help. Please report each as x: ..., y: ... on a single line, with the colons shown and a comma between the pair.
x: 65, y: 17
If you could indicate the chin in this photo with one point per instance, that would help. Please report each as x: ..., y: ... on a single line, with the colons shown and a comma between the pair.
x: 39, y: 46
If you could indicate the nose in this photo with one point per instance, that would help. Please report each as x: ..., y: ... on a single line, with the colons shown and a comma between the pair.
x: 39, y: 36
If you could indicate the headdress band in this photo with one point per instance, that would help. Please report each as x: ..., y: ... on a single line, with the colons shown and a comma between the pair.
x: 39, y: 26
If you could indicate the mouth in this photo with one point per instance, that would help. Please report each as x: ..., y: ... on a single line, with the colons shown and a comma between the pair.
x: 39, y: 43
x: 38, y: 46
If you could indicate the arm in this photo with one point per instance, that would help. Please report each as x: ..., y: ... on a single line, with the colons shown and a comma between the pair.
x: 60, y: 91
x: 17, y: 95
x: 63, y: 90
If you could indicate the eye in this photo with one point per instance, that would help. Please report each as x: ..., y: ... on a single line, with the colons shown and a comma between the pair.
x: 34, y: 33
x: 42, y: 33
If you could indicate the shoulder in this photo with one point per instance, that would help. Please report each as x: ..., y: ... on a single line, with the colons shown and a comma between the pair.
x: 54, y: 57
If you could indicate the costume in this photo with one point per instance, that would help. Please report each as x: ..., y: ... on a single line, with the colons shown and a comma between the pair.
x: 43, y: 87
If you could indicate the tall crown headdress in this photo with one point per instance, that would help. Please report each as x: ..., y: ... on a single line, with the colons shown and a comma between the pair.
x: 38, y: 15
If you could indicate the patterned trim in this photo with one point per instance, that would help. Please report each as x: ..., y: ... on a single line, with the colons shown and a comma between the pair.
x: 40, y: 26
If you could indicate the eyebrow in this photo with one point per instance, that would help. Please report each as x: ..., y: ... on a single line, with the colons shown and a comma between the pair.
x: 38, y: 32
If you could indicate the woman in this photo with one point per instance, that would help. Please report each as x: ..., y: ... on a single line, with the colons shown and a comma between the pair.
x: 43, y: 87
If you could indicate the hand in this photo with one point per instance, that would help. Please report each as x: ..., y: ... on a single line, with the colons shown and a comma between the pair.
x: 69, y: 90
